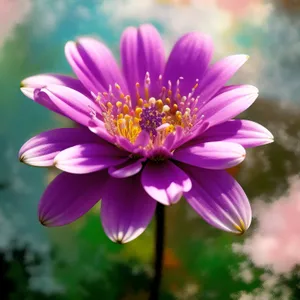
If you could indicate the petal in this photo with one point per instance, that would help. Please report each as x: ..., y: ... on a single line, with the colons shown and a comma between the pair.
x: 142, y: 51
x: 67, y: 102
x: 228, y: 104
x: 70, y: 196
x: 42, y: 80
x: 40, y: 150
x: 88, y: 158
x: 219, y: 73
x: 165, y: 182
x: 227, y: 88
x: 127, y: 169
x: 219, y: 200
x: 211, y: 155
x: 94, y: 65
x: 98, y: 127
x: 189, y: 59
x: 126, y: 209
x: 246, y: 133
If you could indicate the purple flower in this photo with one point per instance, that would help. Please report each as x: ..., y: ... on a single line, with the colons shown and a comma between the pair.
x: 155, y: 130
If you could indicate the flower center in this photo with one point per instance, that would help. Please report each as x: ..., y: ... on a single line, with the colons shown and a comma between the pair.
x: 157, y: 116
x: 150, y: 119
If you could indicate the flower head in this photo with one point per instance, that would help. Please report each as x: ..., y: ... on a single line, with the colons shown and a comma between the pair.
x: 155, y: 130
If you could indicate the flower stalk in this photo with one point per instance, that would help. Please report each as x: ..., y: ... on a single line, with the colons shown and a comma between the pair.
x: 159, y: 251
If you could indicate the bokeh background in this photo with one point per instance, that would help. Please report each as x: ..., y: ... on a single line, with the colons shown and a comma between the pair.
x: 78, y: 261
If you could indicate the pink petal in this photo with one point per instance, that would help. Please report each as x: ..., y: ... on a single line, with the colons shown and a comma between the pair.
x: 244, y: 132
x: 142, y: 51
x: 126, y: 209
x: 40, y: 150
x: 211, y: 155
x: 70, y: 196
x: 88, y: 158
x: 165, y: 182
x: 219, y: 200
x: 228, y: 104
x: 94, y: 65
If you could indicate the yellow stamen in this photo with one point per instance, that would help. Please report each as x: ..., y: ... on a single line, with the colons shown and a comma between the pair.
x: 159, y: 105
x: 138, y: 111
x: 125, y: 109
x: 174, y: 108
x: 140, y: 102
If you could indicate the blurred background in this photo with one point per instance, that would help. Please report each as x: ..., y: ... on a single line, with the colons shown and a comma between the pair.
x: 78, y: 261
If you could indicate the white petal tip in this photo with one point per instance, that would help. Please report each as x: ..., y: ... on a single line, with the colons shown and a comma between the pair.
x: 27, y: 91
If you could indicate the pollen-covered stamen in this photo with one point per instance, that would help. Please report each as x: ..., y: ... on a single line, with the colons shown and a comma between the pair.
x: 151, y: 119
x: 158, y: 116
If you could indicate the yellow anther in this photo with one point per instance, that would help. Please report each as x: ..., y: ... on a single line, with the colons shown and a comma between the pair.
x: 119, y: 104
x: 125, y: 109
x: 138, y: 112
x: 117, y: 86
x: 127, y: 118
x: 170, y: 129
x: 140, y: 102
x: 159, y: 105
x: 120, y: 116
x: 168, y: 101
x: 109, y: 105
x: 174, y: 108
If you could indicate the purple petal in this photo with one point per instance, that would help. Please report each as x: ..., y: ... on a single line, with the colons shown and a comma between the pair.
x: 127, y: 169
x: 42, y: 80
x: 165, y: 182
x: 142, y: 139
x: 88, y: 158
x: 126, y: 209
x: 189, y: 59
x: 67, y: 102
x: 98, y: 127
x: 219, y: 200
x: 228, y: 105
x: 246, y: 133
x: 211, y: 155
x: 218, y: 74
x: 142, y: 51
x: 70, y: 196
x: 94, y: 65
x: 227, y: 88
x: 40, y: 150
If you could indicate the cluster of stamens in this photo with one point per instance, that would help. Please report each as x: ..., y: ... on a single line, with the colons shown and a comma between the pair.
x: 158, y: 117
